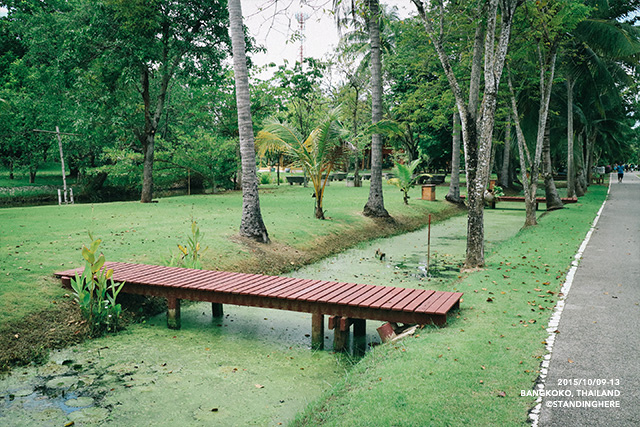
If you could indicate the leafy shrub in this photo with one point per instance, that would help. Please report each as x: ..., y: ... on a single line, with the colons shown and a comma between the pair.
x: 96, y: 292
x: 265, y: 178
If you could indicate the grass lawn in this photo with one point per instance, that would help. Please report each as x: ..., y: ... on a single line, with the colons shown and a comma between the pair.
x: 48, y: 174
x: 37, y: 241
x: 472, y: 371
x: 43, y: 190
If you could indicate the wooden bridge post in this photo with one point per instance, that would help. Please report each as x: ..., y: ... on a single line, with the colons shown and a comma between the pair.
x: 359, y: 328
x: 216, y: 309
x: 173, y: 313
x: 341, y: 334
x: 317, y: 331
x: 359, y: 337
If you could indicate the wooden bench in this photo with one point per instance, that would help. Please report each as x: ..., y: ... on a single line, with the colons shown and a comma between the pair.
x: 433, y: 179
x: 295, y: 180
x: 349, y: 301
x: 521, y: 200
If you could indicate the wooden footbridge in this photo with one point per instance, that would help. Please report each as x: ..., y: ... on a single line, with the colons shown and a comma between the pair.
x: 347, y: 303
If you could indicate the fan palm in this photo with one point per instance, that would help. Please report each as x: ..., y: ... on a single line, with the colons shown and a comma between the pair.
x: 318, y: 154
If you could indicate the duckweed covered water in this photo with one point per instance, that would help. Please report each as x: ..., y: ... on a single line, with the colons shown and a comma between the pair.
x: 251, y: 367
x: 405, y: 257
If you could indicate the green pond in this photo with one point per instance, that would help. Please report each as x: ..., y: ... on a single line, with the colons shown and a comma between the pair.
x: 252, y: 367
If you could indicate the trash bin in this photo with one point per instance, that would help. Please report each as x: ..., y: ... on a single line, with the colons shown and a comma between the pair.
x: 429, y: 192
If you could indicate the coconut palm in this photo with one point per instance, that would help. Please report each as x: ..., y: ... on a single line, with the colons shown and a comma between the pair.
x: 375, y: 204
x: 318, y: 154
x: 251, y: 224
x: 354, y: 49
x: 404, y: 178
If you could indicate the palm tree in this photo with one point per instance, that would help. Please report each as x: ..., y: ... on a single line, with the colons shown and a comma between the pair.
x: 404, y: 178
x: 318, y: 154
x: 355, y: 51
x: 602, y: 49
x: 375, y: 204
x: 251, y: 224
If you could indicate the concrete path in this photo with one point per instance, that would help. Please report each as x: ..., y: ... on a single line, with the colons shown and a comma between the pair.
x: 596, y: 354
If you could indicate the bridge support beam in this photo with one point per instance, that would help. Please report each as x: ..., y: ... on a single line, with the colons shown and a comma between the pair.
x: 359, y: 328
x: 317, y: 331
x: 340, y: 326
x: 216, y: 309
x: 173, y: 313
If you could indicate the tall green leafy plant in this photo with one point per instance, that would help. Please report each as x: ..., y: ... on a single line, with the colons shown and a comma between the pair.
x: 96, y: 292
x: 404, y: 178
x: 190, y: 253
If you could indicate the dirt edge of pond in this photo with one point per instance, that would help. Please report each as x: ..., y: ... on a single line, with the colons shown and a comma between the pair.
x: 29, y: 340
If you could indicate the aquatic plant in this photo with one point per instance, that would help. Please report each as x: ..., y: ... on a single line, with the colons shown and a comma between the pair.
x: 191, y: 253
x: 96, y: 292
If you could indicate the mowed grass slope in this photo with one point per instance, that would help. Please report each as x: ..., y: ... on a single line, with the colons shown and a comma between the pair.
x: 37, y: 241
x: 472, y: 371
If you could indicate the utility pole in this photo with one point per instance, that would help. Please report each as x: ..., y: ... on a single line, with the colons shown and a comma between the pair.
x: 64, y: 173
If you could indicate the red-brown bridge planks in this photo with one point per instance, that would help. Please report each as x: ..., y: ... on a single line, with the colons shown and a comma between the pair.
x: 318, y: 297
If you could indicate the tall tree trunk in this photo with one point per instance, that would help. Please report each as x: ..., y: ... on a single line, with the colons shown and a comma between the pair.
x: 581, y: 175
x: 547, y: 64
x: 152, y: 118
x: 571, y: 179
x: 492, y: 163
x: 375, y: 205
x: 551, y: 192
x: 148, y: 147
x: 238, y: 175
x: 506, y: 155
x: 319, y: 211
x: 357, y: 182
x: 454, y: 185
x: 590, y: 144
x: 147, y: 140
x: 477, y: 130
x: 528, y: 170
x: 251, y: 225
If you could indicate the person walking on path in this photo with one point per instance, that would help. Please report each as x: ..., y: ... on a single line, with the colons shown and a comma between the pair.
x: 593, y: 378
x: 620, y: 169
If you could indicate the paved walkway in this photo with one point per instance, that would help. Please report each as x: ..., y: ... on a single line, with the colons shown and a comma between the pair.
x: 596, y: 355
